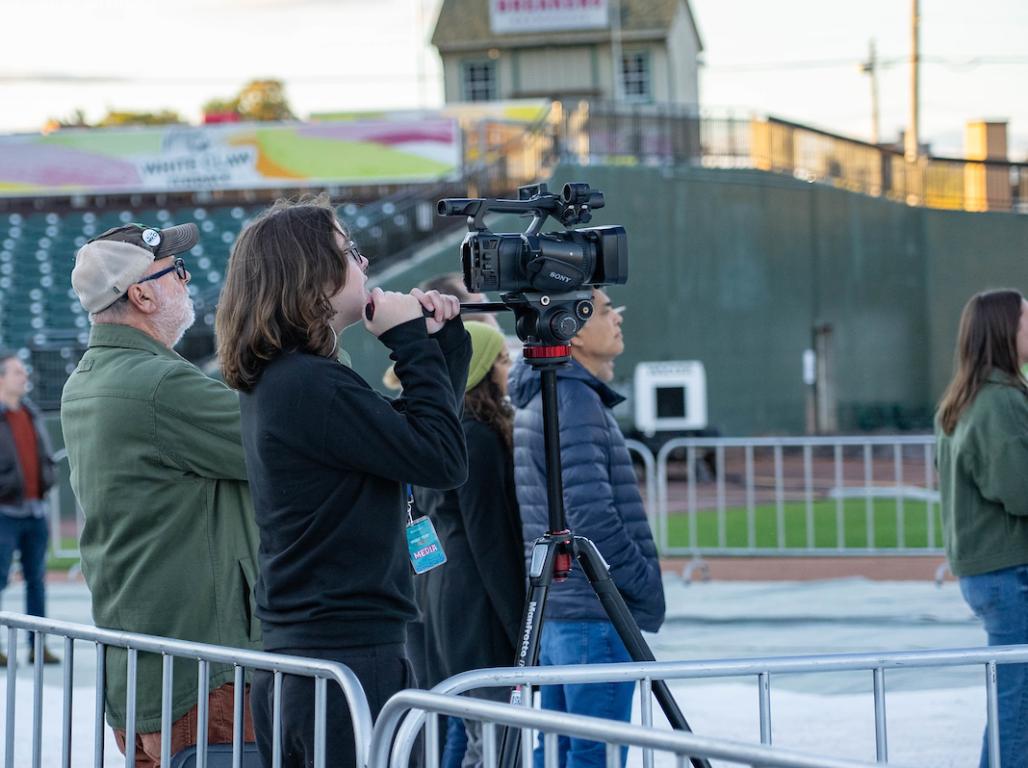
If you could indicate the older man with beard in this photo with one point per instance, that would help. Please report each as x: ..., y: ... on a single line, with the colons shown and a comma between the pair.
x: 169, y: 544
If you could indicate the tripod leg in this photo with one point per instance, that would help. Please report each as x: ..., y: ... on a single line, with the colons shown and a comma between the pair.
x: 595, y: 568
x: 540, y: 576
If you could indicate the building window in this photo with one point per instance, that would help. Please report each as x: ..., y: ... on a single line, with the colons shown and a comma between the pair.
x: 635, y: 77
x: 480, y: 81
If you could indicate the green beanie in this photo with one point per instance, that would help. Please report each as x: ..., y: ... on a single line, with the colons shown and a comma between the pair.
x: 486, y: 344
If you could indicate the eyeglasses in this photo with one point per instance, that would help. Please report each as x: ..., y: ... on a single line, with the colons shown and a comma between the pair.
x: 357, y: 256
x: 178, y: 266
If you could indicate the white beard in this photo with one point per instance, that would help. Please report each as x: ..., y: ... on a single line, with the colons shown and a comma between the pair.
x: 175, y: 316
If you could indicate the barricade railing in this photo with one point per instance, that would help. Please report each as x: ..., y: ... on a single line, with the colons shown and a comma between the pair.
x: 55, y: 501
x: 762, y: 496
x: 392, y: 747
x: 799, y: 496
x: 762, y: 669
x: 323, y: 672
x: 649, y: 479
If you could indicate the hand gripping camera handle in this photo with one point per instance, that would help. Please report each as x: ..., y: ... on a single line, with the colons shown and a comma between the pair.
x: 369, y: 311
x: 474, y: 307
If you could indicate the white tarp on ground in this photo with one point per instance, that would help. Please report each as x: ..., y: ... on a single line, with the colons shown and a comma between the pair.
x: 935, y: 717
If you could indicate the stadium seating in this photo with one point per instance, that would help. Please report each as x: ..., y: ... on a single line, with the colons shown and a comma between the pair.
x: 41, y: 317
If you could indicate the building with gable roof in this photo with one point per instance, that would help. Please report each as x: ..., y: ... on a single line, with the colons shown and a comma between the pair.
x: 513, y: 49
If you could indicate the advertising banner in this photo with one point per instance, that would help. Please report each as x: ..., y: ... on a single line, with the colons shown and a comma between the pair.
x: 229, y: 156
x: 507, y: 17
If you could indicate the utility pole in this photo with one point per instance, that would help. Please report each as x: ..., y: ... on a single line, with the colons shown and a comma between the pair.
x: 419, y: 27
x: 615, y: 49
x: 870, y: 67
x: 912, y: 144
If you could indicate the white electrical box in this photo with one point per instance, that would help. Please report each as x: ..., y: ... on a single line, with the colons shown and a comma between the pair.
x: 670, y: 395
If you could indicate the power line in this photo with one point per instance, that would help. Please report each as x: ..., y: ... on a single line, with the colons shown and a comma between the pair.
x: 968, y: 62
x: 781, y: 65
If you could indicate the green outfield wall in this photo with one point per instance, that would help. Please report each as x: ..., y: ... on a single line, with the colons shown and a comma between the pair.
x: 737, y: 268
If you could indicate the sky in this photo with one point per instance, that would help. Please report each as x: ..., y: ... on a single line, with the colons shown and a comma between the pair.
x: 796, y: 59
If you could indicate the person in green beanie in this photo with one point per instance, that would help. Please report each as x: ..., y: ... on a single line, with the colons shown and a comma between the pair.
x: 482, y: 584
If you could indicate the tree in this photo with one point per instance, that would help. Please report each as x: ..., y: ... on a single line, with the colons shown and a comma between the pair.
x: 221, y: 106
x: 264, y: 100
x: 76, y: 119
x: 257, y: 100
x: 128, y: 117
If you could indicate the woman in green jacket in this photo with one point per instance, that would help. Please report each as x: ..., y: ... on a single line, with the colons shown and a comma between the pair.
x: 982, y: 447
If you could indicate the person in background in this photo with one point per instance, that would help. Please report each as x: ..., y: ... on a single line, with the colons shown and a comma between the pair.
x: 26, y: 474
x: 482, y: 583
x: 602, y: 503
x: 328, y: 458
x: 981, y: 430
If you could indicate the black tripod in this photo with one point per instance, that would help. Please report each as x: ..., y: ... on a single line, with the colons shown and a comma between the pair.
x: 552, y: 561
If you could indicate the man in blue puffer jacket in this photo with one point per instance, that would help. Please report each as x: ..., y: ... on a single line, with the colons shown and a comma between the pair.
x: 602, y: 502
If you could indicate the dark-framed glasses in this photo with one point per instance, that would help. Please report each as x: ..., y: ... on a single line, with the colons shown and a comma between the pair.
x: 354, y: 252
x: 178, y: 266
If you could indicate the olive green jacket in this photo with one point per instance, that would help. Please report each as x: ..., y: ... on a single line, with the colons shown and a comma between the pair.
x: 169, y: 543
x: 983, y: 481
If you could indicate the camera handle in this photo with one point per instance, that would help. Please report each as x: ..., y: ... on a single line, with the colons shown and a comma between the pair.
x: 551, y: 561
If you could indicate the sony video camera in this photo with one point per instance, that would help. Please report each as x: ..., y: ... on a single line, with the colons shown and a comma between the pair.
x: 546, y: 279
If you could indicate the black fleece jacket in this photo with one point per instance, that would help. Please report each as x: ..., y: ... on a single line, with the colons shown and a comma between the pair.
x: 327, y: 457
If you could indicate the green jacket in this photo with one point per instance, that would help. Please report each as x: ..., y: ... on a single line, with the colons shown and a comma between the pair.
x: 169, y: 544
x: 983, y: 481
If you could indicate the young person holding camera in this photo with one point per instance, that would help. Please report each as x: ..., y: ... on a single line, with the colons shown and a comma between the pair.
x: 981, y: 433
x: 328, y: 457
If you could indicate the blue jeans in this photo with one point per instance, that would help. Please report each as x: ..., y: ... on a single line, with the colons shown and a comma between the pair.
x: 583, y: 642
x: 456, y: 743
x: 1000, y: 600
x: 29, y: 536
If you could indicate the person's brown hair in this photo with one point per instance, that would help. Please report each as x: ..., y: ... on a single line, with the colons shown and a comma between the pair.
x: 284, y: 266
x: 987, y: 342
x: 486, y: 403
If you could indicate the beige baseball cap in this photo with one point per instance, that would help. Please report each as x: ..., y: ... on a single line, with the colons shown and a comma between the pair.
x: 108, y: 264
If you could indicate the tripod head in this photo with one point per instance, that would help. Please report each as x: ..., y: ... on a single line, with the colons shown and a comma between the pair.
x: 544, y: 322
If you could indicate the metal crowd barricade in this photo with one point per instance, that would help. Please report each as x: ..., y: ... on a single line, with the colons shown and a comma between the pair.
x: 896, y: 468
x: 807, y: 471
x: 392, y: 730
x: 323, y: 673
x: 650, y: 479
x: 55, y: 500
x: 644, y: 673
